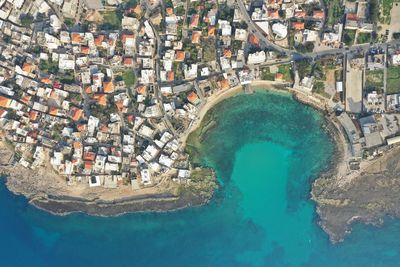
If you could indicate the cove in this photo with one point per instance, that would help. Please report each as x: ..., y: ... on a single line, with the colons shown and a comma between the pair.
x: 266, y: 150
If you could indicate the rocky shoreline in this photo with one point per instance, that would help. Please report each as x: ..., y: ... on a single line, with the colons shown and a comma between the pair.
x: 60, y: 205
x: 371, y: 195
x: 47, y: 191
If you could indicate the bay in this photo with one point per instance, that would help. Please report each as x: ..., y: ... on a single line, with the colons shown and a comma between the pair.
x: 266, y: 149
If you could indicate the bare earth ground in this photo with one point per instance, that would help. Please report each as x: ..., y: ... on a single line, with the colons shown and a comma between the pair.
x: 394, y: 20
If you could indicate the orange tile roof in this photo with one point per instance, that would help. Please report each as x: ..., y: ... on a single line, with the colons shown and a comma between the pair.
x: 141, y: 90
x: 76, y: 38
x: 319, y: 14
x: 300, y: 14
x: 3, y: 113
x: 98, y: 41
x: 33, y: 115
x: 89, y: 156
x: 101, y: 99
x: 180, y: 56
x: 85, y: 50
x: 279, y: 76
x: 77, y: 145
x: 88, y: 89
x: 76, y: 113
x: 128, y: 61
x: 254, y: 40
x: 193, y: 98
x: 26, y: 99
x: 108, y: 87
x: 126, y: 36
x: 137, y: 10
x: 298, y: 25
x: 53, y: 111
x: 81, y: 127
x: 5, y: 102
x: 88, y: 165
x: 170, y: 76
x: 211, y: 31
x: 194, y: 21
x: 27, y: 67
x: 131, y: 118
x: 45, y: 80
x: 351, y: 16
x: 272, y: 13
x: 53, y: 94
x: 227, y: 53
x: 224, y: 84
x: 196, y: 37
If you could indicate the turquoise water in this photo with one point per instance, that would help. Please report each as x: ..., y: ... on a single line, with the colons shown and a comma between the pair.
x: 266, y: 150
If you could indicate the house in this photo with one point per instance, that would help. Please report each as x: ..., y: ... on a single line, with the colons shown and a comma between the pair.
x: 193, y: 98
x: 196, y: 37
x: 273, y: 14
x: 5, y: 102
x: 108, y: 87
x: 298, y: 25
x: 194, y: 21
x: 256, y: 58
x: 179, y: 56
x: 318, y: 14
x: 299, y: 14
x: 280, y: 30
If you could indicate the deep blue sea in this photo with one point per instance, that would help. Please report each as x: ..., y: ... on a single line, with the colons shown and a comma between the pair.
x: 266, y: 150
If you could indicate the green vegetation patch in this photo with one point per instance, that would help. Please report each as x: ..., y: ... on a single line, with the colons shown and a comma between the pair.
x: 286, y: 70
x: 319, y: 88
x: 374, y: 80
x: 69, y: 22
x: 129, y: 78
x: 393, y: 80
x: 267, y: 75
x: 349, y: 36
x: 201, y: 175
x: 67, y: 78
x: 363, y: 37
x: 385, y: 8
x: 48, y: 66
x: 26, y: 20
x: 111, y: 20
x: 335, y: 11
x: 209, y: 53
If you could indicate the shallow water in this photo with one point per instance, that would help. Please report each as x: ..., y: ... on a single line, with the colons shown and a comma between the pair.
x: 266, y: 150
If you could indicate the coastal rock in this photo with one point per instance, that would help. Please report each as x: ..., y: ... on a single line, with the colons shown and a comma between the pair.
x: 368, y: 197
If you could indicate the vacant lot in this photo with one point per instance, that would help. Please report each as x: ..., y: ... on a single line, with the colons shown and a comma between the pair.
x: 374, y: 80
x: 363, y: 37
x: 393, y: 80
x: 267, y: 75
x: 395, y: 20
x: 349, y: 36
x: 353, y: 89
x: 335, y: 11
x: 111, y: 20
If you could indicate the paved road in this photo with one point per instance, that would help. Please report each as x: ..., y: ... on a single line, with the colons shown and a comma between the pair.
x: 265, y: 43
